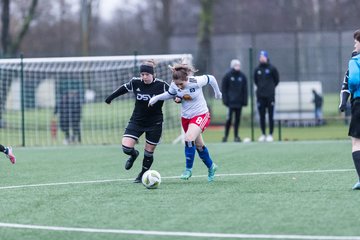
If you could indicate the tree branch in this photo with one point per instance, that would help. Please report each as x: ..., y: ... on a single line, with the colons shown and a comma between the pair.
x: 25, y: 27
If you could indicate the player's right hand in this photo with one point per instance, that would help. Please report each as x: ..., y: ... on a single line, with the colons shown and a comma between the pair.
x: 177, y: 99
x: 344, y: 95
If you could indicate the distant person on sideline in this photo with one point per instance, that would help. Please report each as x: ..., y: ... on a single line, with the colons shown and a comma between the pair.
x: 318, y: 103
x: 354, y: 91
x: 235, y: 96
x: 266, y: 78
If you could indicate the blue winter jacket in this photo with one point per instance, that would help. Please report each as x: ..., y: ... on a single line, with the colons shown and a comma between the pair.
x: 354, y: 76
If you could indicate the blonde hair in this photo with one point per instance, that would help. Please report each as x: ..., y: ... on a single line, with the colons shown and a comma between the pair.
x: 182, y: 70
x: 150, y: 63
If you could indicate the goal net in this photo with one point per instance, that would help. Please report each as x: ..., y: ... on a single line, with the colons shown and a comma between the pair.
x: 44, y: 99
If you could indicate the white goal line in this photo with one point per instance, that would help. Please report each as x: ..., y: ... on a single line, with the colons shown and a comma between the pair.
x: 174, y: 177
x: 178, y: 234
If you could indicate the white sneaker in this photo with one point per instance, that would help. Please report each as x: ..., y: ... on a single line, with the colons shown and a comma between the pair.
x: 66, y: 141
x: 262, y: 138
x: 269, y: 138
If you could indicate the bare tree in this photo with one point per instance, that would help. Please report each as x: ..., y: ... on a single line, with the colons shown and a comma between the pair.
x: 163, y: 24
x: 203, y: 59
x: 11, y: 45
x: 85, y: 26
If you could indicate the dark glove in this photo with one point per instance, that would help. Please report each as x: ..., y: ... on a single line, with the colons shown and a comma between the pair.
x: 344, y: 95
x: 108, y: 100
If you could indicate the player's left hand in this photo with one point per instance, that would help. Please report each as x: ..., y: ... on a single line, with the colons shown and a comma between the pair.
x: 152, y: 101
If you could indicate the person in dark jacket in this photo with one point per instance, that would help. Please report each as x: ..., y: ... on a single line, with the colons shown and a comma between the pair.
x: 318, y: 102
x: 235, y: 96
x: 266, y: 78
x: 69, y: 108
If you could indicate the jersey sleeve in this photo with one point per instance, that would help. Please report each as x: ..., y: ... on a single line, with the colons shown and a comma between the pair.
x: 172, y: 89
x: 166, y: 86
x: 354, y: 80
x: 129, y: 85
x: 202, y: 80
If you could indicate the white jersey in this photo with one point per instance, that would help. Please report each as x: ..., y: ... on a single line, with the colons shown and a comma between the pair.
x: 193, y: 101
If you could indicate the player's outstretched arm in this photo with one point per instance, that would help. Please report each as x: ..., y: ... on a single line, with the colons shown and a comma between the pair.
x: 160, y: 97
x: 213, y: 83
x: 118, y: 92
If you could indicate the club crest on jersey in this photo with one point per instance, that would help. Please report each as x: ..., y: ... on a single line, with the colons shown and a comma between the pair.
x: 187, y: 97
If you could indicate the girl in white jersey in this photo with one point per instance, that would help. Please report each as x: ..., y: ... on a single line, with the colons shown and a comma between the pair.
x: 195, y: 117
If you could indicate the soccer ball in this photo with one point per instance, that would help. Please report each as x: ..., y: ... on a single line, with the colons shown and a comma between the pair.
x: 151, y: 179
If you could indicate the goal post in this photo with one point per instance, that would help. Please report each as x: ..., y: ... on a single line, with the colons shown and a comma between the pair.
x: 67, y: 95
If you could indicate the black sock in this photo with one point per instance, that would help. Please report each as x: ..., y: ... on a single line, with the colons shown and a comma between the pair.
x: 356, y: 158
x: 147, y: 161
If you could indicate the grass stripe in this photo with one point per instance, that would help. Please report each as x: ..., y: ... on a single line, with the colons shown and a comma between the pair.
x: 174, y: 177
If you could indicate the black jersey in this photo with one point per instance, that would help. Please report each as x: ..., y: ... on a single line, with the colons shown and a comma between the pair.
x: 144, y: 115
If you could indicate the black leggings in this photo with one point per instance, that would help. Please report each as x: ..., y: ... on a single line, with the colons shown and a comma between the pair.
x: 263, y: 105
x: 237, y: 112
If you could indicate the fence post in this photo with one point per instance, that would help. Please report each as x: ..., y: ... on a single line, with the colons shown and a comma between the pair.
x: 251, y: 93
x: 22, y: 98
x: 279, y: 128
x: 135, y: 63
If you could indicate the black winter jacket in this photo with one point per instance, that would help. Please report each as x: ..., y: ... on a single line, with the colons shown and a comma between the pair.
x: 266, y: 78
x: 234, y: 89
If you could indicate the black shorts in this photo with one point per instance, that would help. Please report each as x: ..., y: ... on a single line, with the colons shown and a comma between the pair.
x: 354, y: 129
x: 152, y: 134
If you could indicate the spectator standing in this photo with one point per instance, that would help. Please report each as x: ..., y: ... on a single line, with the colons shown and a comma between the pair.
x: 266, y: 78
x: 318, y: 102
x: 235, y: 96
x: 69, y: 107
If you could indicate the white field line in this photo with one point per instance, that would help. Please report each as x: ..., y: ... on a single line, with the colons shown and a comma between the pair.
x: 171, y: 177
x: 177, y: 234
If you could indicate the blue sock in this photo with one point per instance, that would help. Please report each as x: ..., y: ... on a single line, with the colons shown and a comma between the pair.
x: 189, y: 154
x: 205, y: 156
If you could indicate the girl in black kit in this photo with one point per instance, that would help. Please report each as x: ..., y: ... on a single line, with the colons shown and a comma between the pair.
x: 144, y: 119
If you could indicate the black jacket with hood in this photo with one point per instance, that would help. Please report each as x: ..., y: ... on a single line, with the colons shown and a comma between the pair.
x: 234, y: 89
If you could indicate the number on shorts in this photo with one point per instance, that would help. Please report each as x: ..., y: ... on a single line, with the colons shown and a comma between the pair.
x: 199, y: 120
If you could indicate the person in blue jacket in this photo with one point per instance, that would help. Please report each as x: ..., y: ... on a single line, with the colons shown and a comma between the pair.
x: 354, y: 89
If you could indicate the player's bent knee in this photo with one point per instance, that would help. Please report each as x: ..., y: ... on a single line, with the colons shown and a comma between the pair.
x: 127, y: 150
